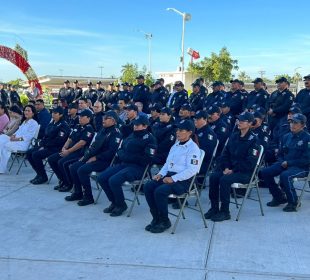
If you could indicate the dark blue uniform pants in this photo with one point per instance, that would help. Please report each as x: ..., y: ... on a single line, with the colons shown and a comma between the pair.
x: 80, y: 172
x: 35, y: 157
x: 286, y: 180
x: 220, y: 185
x: 60, y: 166
x: 112, y: 179
x: 157, y: 192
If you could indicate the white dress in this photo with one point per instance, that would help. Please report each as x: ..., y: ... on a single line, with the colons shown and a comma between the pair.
x: 27, y: 131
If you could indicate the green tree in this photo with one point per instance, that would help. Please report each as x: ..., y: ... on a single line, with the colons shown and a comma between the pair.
x: 129, y: 73
x: 18, y: 82
x: 21, y: 51
x: 217, y: 67
x: 297, y: 78
x: 287, y: 76
x: 244, y: 77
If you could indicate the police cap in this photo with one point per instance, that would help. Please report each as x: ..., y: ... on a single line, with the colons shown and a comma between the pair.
x: 195, y: 84
x: 125, y: 84
x: 299, y: 118
x: 86, y: 113
x: 224, y: 104
x: 281, y: 80
x: 216, y: 83
x: 213, y: 109
x: 201, y: 114
x: 131, y: 107
x: 99, y: 83
x: 111, y: 84
x: 294, y: 110
x: 157, y: 82
x: 186, y: 107
x: 140, y: 77
x: 90, y: 84
x: 156, y: 107
x: 111, y: 114
x: 58, y: 110
x: 161, y: 80
x: 66, y: 82
x: 178, y: 84
x: 307, y: 77
x: 76, y: 82
x: 259, y: 109
x: 186, y: 125
x: 258, y: 80
x: 141, y: 120
x: 73, y: 105
x: 246, y: 117
x: 258, y: 115
x: 236, y: 81
x: 166, y: 110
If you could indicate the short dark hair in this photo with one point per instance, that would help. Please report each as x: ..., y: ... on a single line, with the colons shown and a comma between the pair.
x: 83, y: 99
x: 40, y: 101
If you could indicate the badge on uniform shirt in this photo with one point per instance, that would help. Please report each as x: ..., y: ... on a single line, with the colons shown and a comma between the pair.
x: 251, y: 137
x: 223, y: 129
x: 255, y: 152
x: 266, y: 139
x: 200, y: 134
x: 299, y: 143
x: 194, y: 161
x: 213, y: 126
x: 146, y: 136
x: 152, y: 151
x: 89, y: 134
x: 117, y: 140
x: 210, y: 136
x: 291, y: 98
x: 61, y: 134
x: 171, y: 137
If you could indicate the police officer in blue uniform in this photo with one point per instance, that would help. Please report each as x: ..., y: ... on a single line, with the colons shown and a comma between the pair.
x: 96, y: 158
x: 77, y: 91
x: 141, y: 93
x: 258, y: 96
x: 236, y: 97
x: 66, y: 92
x: 43, y: 116
x: 236, y: 165
x: 98, y: 115
x: 258, y: 130
x: 90, y: 93
x: 56, y: 134
x: 218, y: 126
x: 135, y: 154
x: 178, y: 98
x: 164, y: 132
x: 99, y: 90
x: 185, y: 113
x: 197, y: 98
x: 72, y: 118
x: 4, y: 97
x: 132, y: 114
x: 293, y: 161
x: 303, y: 99
x: 159, y: 95
x: 215, y: 97
x: 279, y: 103
x: 125, y: 94
x: 79, y: 138
x: 226, y: 116
x: 174, y: 177
x: 207, y: 138
x: 155, y: 113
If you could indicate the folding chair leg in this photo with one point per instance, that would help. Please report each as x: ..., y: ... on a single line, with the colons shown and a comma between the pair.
x: 13, y: 160
x: 235, y: 197
x: 98, y: 195
x: 260, y: 200
x: 20, y: 165
x: 50, y: 178
x: 302, y: 193
x: 180, y: 205
x: 243, y: 201
x: 200, y: 209
x: 136, y: 198
x: 179, y: 216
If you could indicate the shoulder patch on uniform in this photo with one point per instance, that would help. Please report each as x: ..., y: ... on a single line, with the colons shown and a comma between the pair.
x: 152, y: 151
x: 117, y: 140
x: 89, y: 134
x: 255, y: 152
x: 172, y: 137
x: 266, y: 139
x: 223, y: 129
x: 299, y: 143
x: 200, y: 134
x: 146, y: 136
x: 61, y: 134
x: 251, y: 137
x: 210, y: 136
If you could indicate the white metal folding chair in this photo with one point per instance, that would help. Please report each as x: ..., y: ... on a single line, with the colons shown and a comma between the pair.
x: 192, y: 192
x: 22, y: 154
x: 253, y: 183
x: 306, y: 181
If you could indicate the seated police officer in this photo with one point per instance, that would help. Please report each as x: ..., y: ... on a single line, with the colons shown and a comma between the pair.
x: 185, y: 113
x: 236, y: 165
x: 135, y: 153
x: 132, y: 114
x: 56, y: 134
x: 164, y: 132
x: 79, y: 138
x: 259, y: 131
x: 293, y: 160
x: 174, y: 177
x: 72, y: 118
x: 97, y: 158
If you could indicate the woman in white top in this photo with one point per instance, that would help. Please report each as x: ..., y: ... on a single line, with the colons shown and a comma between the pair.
x: 19, y: 141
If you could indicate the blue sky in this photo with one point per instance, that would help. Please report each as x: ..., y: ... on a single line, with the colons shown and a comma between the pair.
x: 80, y: 36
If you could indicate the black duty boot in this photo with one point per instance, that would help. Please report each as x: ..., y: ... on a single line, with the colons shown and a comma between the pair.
x: 85, y: 201
x: 118, y: 210
x: 65, y: 188
x: 74, y: 196
x: 60, y: 184
x: 276, y: 202
x: 162, y: 225
x: 109, y: 209
x: 221, y: 216
x: 35, y: 178
x: 154, y: 220
x: 290, y: 207
x: 40, y: 180
x: 211, y: 212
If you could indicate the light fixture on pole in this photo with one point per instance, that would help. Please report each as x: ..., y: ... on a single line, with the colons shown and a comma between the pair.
x: 148, y: 37
x: 185, y: 17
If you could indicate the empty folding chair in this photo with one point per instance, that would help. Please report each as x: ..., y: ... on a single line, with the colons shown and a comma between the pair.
x: 253, y: 183
x: 192, y: 192
x: 305, y: 181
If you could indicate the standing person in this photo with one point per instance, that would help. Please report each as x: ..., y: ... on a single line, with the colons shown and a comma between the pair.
x: 90, y: 93
x: 99, y: 90
x: 303, y: 99
x: 174, y: 177
x: 32, y: 92
x: 77, y: 91
x: 178, y: 98
x: 21, y: 139
x: 159, y: 95
x: 66, y: 92
x: 56, y: 134
x: 43, y: 116
x: 236, y: 165
x: 14, y: 96
x: 197, y: 98
x: 4, y: 97
x: 215, y: 97
x: 141, y: 93
x: 134, y: 155
x: 4, y: 117
x: 236, y: 97
x: 125, y: 94
x: 259, y: 96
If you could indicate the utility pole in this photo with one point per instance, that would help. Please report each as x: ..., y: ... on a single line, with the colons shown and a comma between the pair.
x: 101, y: 67
x: 262, y: 73
x: 148, y: 37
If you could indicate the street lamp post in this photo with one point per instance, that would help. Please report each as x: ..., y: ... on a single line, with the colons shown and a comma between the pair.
x: 148, y: 37
x: 297, y: 78
x: 185, y: 17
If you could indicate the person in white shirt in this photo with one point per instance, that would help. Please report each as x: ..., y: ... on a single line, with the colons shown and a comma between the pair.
x: 20, y: 140
x: 182, y: 164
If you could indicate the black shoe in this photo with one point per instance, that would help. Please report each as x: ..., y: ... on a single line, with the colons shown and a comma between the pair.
x: 40, y: 180
x: 211, y: 212
x: 221, y: 216
x: 35, y: 178
x: 109, y: 209
x: 60, y: 185
x: 161, y: 226
x: 74, y: 196
x: 176, y: 205
x: 290, y: 208
x: 118, y: 211
x: 276, y: 202
x: 85, y: 201
x: 65, y: 188
x: 151, y: 225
